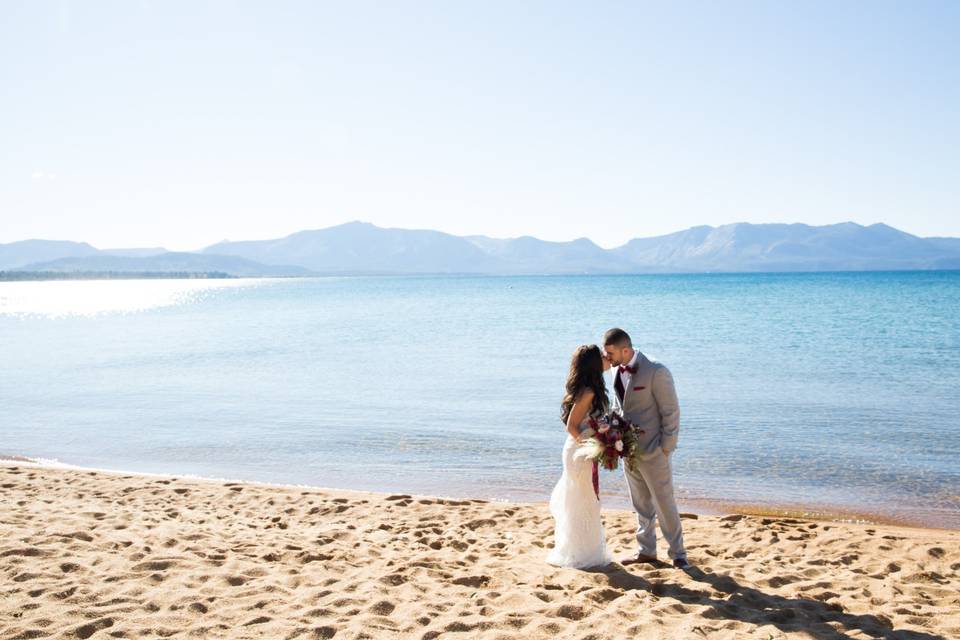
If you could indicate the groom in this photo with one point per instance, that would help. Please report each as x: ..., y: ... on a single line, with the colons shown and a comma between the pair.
x: 645, y: 395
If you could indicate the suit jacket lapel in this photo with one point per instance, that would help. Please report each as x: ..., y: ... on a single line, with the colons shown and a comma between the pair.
x: 626, y: 389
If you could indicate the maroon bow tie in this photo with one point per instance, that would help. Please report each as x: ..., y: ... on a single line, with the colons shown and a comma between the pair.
x: 624, y: 368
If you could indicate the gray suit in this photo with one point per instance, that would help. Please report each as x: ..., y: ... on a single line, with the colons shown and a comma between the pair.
x: 650, y: 401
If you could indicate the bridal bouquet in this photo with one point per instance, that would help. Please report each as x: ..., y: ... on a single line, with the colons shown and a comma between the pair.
x: 613, y: 438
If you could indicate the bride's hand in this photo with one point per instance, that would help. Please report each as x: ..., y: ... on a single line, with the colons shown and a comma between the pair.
x: 586, y: 434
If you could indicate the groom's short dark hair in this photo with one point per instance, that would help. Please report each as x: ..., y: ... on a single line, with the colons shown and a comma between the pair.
x: 617, y: 337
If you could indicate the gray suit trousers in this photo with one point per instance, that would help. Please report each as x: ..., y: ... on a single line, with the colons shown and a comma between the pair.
x: 651, y: 490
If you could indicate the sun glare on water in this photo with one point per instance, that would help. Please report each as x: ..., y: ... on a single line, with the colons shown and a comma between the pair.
x: 93, y: 297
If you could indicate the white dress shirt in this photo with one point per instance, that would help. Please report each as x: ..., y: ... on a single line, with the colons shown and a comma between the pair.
x: 625, y: 375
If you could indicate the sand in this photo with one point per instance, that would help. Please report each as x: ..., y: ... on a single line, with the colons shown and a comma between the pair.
x: 91, y: 554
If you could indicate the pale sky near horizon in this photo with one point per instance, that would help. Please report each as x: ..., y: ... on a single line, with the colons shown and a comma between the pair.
x: 180, y: 124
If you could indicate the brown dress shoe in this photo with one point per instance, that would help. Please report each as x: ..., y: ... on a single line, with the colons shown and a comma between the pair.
x: 638, y: 558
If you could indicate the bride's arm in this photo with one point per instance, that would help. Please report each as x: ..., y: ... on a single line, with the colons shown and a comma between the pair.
x: 578, y: 413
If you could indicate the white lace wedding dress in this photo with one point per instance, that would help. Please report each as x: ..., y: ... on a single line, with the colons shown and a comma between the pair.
x: 579, y: 538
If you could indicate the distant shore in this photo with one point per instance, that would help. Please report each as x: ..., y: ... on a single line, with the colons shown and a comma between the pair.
x: 39, y: 276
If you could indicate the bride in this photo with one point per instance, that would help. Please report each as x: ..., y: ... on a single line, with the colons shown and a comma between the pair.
x: 579, y: 538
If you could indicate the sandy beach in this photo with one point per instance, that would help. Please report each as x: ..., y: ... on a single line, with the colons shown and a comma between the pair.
x: 91, y: 554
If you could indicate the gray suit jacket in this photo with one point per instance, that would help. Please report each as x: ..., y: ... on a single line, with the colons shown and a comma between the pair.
x: 650, y: 402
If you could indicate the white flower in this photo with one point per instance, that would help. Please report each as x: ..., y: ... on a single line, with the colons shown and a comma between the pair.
x: 619, y: 445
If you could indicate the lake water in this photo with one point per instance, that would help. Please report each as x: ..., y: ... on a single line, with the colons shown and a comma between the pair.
x: 820, y: 391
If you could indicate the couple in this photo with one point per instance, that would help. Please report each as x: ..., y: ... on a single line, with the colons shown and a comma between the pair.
x: 645, y: 396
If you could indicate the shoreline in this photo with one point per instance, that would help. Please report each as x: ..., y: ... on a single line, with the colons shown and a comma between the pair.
x: 690, y: 507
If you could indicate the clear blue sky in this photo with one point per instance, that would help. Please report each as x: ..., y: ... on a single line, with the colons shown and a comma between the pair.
x: 183, y: 123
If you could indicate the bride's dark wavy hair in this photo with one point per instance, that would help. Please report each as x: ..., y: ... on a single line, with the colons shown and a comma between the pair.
x: 586, y: 372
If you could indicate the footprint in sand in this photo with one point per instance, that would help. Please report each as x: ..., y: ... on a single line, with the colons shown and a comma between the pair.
x: 314, y: 557
x: 472, y: 581
x: 26, y: 577
x: 31, y: 552
x: 156, y: 565
x: 779, y: 581
x: 87, y: 630
x: 383, y: 608
x: 604, y: 596
x: 394, y: 579
x: 77, y: 535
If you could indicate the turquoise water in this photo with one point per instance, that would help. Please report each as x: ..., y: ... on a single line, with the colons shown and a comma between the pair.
x: 825, y: 391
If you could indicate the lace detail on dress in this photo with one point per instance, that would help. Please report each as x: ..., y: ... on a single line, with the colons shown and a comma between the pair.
x: 579, y: 537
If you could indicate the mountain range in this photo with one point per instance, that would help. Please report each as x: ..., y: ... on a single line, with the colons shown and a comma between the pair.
x: 363, y: 248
